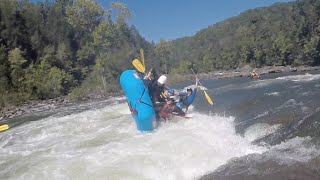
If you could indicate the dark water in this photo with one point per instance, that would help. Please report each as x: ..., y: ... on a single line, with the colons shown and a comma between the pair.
x: 283, y: 111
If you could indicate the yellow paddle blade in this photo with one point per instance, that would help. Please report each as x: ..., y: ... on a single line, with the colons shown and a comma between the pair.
x: 208, y: 98
x: 142, y: 57
x: 137, y: 64
x: 4, y: 127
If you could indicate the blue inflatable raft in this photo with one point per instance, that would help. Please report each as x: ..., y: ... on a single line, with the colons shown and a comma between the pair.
x: 139, y: 100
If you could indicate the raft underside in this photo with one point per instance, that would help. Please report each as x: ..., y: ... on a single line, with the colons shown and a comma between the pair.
x: 139, y: 101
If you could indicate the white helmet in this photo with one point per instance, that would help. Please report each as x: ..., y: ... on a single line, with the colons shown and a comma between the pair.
x: 162, y: 79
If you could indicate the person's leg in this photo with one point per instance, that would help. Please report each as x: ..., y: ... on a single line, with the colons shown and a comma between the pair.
x: 158, y: 106
x: 178, y: 111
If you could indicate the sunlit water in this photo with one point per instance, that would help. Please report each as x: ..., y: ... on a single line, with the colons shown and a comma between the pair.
x: 101, y: 142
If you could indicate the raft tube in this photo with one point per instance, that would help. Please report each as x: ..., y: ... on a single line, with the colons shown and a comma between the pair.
x: 139, y: 101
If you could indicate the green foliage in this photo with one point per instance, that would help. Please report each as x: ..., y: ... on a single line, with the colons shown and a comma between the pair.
x: 105, y: 36
x: 52, y: 48
x: 282, y: 34
x: 45, y: 81
x: 4, y: 71
x: 16, y: 61
x: 84, y: 15
x: 162, y: 54
x: 312, y: 50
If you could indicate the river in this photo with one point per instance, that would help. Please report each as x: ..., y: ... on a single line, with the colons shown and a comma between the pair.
x: 258, y: 129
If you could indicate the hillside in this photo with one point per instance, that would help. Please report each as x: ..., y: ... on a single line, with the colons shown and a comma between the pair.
x: 282, y: 34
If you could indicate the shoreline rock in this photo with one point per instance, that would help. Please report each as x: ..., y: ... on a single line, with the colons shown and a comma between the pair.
x: 35, y: 106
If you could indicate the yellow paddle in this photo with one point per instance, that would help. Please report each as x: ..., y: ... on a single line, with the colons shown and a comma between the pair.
x: 137, y: 64
x: 142, y: 57
x: 4, y: 127
x: 204, y: 91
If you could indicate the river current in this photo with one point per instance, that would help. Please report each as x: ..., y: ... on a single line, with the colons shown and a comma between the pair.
x: 258, y: 129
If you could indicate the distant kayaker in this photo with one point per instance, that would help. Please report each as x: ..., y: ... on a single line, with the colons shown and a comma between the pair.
x: 255, y: 75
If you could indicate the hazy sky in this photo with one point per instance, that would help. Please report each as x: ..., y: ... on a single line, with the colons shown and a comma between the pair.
x: 171, y: 19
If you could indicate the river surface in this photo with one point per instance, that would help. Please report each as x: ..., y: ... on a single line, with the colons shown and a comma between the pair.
x: 258, y: 129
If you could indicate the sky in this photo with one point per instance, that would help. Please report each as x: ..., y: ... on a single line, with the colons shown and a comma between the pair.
x: 172, y: 19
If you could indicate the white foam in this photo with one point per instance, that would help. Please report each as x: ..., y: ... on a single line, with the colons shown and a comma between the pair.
x: 260, y: 130
x: 96, y: 145
x: 259, y: 84
x: 273, y: 94
x: 295, y: 149
x: 295, y: 78
x: 290, y: 103
x: 300, y: 78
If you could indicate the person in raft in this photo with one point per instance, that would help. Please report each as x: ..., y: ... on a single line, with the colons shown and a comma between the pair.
x: 157, y: 87
x: 161, y: 101
x: 165, y: 112
x: 186, y: 98
x: 170, y: 109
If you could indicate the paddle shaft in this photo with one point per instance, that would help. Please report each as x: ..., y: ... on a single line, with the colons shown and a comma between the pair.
x: 196, y: 76
x: 142, y: 57
x: 205, y: 93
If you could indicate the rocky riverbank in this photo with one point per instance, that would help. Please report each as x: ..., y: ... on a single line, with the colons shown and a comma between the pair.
x: 45, y: 105
x: 38, y: 106
x: 32, y: 107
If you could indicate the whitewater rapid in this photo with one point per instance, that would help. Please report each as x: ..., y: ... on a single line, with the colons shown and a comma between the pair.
x: 104, y: 144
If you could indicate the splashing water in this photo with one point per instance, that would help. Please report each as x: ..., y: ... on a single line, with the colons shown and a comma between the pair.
x: 104, y: 144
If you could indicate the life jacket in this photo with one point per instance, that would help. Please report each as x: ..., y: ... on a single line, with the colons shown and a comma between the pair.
x: 156, y: 92
x: 184, y: 101
x: 166, y: 111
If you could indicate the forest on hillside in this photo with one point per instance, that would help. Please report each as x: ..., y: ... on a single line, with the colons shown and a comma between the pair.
x: 77, y: 47
x: 55, y: 48
x: 282, y: 34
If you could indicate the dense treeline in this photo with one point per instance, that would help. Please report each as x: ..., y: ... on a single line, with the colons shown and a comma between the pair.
x: 77, y: 47
x: 282, y: 34
x: 51, y: 48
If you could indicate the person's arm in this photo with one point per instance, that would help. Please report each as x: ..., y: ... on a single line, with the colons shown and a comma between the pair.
x: 155, y: 74
x: 197, y: 80
x: 182, y: 94
x: 192, y: 96
x: 148, y: 75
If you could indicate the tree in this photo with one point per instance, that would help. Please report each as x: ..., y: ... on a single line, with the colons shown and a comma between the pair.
x: 85, y: 15
x: 162, y: 53
x: 312, y: 51
x: 16, y: 61
x: 4, y: 70
x: 63, y: 57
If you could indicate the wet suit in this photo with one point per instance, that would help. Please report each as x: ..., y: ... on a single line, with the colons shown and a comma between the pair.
x: 156, y: 91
